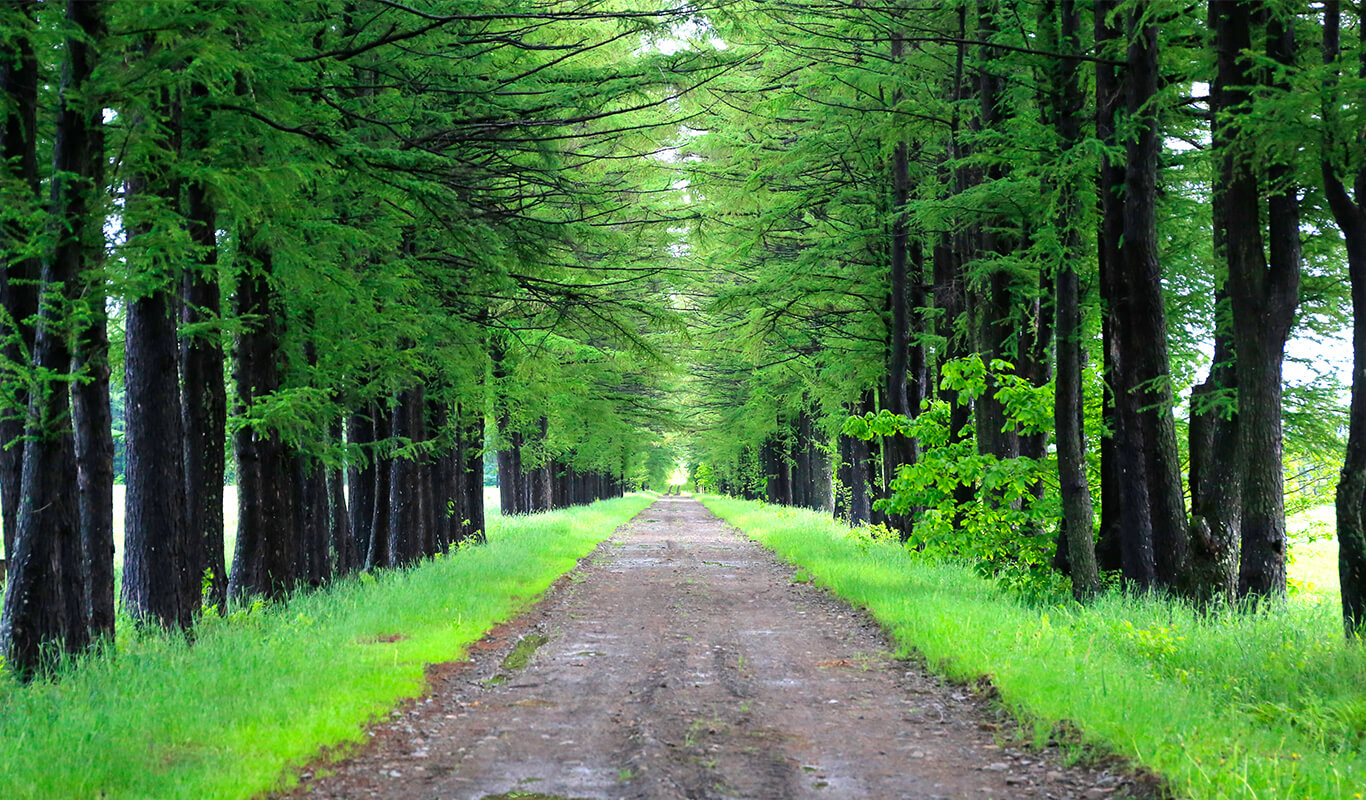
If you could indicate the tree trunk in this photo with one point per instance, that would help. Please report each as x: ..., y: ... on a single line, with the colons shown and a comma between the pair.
x: 44, y: 605
x: 1152, y: 517
x: 266, y: 556
x: 360, y: 479
x: 1264, y: 298
x: 378, y: 555
x: 19, y: 275
x: 160, y: 579
x: 338, y: 515
x: 1077, y: 513
x: 94, y: 442
x: 204, y: 401
x: 1349, y: 211
x: 311, y: 511
x: 473, y: 470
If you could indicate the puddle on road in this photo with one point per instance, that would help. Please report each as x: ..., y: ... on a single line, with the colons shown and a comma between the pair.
x: 521, y: 654
x: 517, y: 659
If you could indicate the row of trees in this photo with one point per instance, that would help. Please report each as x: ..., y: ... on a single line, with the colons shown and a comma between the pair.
x: 334, y: 238
x: 1002, y: 235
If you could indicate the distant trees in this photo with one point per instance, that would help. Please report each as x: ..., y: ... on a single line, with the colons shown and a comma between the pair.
x: 301, y: 226
x: 888, y: 189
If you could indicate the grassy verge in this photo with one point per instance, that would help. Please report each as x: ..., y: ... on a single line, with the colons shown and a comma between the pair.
x: 1264, y: 705
x: 265, y: 690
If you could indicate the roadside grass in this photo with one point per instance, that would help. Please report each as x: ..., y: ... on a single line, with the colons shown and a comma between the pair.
x: 1270, y: 704
x: 262, y: 691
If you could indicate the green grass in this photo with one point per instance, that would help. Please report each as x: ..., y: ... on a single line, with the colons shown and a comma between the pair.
x: 261, y: 692
x: 1257, y: 705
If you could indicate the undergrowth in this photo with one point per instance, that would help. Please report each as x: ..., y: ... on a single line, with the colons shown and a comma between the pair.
x: 1270, y: 704
x: 263, y: 690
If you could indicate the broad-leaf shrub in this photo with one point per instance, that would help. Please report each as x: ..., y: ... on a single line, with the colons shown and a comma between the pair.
x: 1001, y: 515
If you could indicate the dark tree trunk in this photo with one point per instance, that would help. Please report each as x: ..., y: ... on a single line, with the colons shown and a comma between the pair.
x: 44, y: 605
x: 204, y: 401
x: 312, y: 513
x: 360, y: 479
x: 160, y: 580
x: 1264, y: 298
x: 160, y: 558
x: 406, y: 513
x: 1152, y: 517
x: 1078, y: 516
x: 266, y: 555
x: 1349, y: 211
x: 94, y: 442
x: 1216, y: 459
x: 378, y: 554
x: 339, y: 516
x: 995, y: 325
x: 19, y: 276
x: 474, y: 479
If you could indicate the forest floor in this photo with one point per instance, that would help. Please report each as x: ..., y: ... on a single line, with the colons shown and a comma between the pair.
x: 682, y: 660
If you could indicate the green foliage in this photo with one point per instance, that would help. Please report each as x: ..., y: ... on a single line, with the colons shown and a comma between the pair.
x: 1221, y: 705
x: 224, y: 718
x: 993, y: 513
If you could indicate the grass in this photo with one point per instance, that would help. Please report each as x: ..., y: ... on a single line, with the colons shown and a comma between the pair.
x: 1230, y: 705
x: 261, y: 692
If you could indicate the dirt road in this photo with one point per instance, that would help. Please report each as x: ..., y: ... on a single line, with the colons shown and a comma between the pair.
x: 683, y: 661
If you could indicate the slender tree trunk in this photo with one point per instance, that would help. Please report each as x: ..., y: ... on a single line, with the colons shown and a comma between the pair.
x: 360, y: 479
x: 45, y: 605
x: 1264, y: 300
x: 312, y: 512
x: 406, y: 518
x: 266, y: 556
x: 1349, y: 211
x: 1078, y: 516
x: 378, y: 555
x: 338, y: 515
x: 19, y: 273
x: 204, y: 400
x: 1216, y: 458
x: 93, y: 421
x: 474, y: 478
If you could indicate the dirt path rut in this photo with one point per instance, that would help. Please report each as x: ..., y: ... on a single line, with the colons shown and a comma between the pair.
x: 682, y: 661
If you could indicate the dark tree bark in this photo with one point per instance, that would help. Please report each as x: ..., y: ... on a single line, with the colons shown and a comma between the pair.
x: 406, y: 518
x: 160, y: 581
x: 311, y: 508
x: 204, y: 400
x: 1216, y: 459
x: 1123, y: 502
x: 160, y: 558
x: 266, y: 556
x: 1264, y: 296
x: 360, y: 479
x: 19, y: 273
x: 45, y: 601
x: 1152, y: 516
x: 347, y: 557
x: 507, y: 471
x: 474, y: 478
x: 1078, y: 516
x: 378, y: 554
x: 1349, y: 211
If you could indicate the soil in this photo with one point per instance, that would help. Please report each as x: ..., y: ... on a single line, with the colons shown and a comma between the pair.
x: 681, y: 660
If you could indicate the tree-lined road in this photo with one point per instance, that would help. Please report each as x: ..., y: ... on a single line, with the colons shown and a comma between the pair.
x: 684, y: 661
